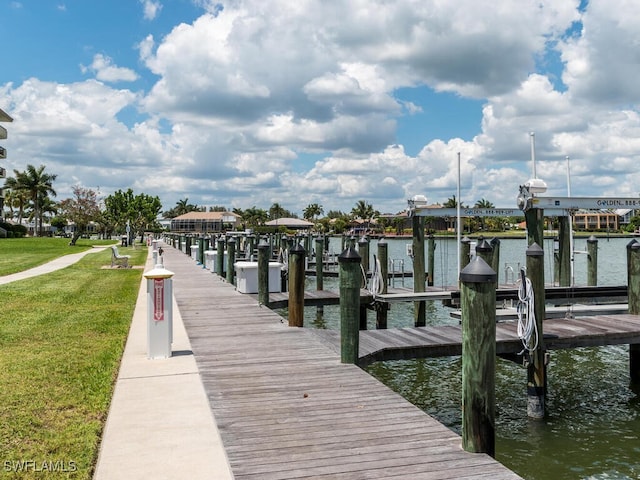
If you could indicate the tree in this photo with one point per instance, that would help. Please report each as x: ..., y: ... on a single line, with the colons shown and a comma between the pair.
x: 33, y: 185
x: 312, y: 211
x: 364, y: 211
x: 138, y: 212
x: 277, y: 211
x: 484, y: 204
x: 82, y: 209
x: 182, y: 206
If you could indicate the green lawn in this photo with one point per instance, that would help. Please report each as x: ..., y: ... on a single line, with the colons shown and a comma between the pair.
x: 61, y: 340
x: 17, y: 254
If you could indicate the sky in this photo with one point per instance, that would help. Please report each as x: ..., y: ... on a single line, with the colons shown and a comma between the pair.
x: 247, y: 103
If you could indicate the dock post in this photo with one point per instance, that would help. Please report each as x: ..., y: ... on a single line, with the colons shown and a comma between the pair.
x: 349, y: 278
x: 478, y: 304
x: 363, y: 251
x: 564, y: 252
x: 231, y: 259
x: 201, y: 251
x: 319, y: 243
x: 535, y: 226
x: 536, y: 368
x: 297, y: 256
x: 592, y: 261
x: 419, y: 277
x: 382, y: 307
x: 484, y: 251
x: 431, y: 254
x: 220, y: 256
x: 465, y: 253
x: 495, y: 257
x: 633, y: 285
x: 263, y: 272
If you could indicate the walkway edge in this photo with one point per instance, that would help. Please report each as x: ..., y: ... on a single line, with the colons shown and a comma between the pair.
x: 160, y: 423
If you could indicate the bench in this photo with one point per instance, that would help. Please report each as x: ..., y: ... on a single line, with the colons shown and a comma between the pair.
x: 117, y: 259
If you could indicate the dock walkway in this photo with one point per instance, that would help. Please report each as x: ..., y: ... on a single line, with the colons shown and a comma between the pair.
x: 287, y: 408
x: 446, y: 340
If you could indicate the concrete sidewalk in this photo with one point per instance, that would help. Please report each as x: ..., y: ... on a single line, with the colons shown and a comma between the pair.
x: 160, y: 423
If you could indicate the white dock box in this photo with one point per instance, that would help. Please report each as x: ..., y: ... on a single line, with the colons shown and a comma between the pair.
x: 247, y: 277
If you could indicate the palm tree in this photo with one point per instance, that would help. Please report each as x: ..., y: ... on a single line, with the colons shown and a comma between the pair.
x: 482, y: 203
x: 312, y: 211
x: 39, y: 186
x: 276, y: 211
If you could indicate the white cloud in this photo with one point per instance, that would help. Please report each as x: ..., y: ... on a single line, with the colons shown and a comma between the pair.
x: 151, y: 9
x: 106, y: 71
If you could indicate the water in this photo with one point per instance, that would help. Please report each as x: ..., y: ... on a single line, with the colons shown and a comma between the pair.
x: 592, y: 427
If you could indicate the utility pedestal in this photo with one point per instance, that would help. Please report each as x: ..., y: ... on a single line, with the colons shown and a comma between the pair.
x: 159, y: 312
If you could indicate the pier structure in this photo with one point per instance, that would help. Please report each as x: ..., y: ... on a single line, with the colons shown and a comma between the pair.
x: 287, y: 407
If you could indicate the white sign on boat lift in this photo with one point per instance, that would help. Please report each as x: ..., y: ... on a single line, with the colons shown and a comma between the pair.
x: 527, y: 200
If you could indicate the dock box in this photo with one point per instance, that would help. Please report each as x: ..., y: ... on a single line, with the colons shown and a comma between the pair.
x: 247, y: 277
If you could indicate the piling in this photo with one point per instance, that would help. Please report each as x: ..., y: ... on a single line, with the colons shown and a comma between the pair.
x: 431, y: 255
x: 535, y: 225
x: 349, y: 279
x: 484, y: 251
x: 319, y: 245
x: 263, y: 272
x: 382, y: 308
x: 220, y: 256
x: 201, y: 251
x: 297, y: 256
x: 495, y: 256
x: 478, y: 304
x: 536, y: 368
x: 564, y: 252
x: 592, y: 261
x: 363, y: 251
x: 465, y: 253
x: 419, y: 277
x: 231, y: 259
x: 633, y: 285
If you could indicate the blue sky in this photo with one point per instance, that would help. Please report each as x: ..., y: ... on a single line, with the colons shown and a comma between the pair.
x: 247, y: 103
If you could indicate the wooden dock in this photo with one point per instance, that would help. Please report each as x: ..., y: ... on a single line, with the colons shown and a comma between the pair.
x: 287, y: 408
x: 440, y: 341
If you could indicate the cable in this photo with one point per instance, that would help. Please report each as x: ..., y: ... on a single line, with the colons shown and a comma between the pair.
x: 376, y: 282
x: 527, y: 328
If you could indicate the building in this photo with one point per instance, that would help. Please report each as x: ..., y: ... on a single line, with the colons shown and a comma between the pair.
x: 204, y: 222
x: 4, y: 117
x: 596, y: 220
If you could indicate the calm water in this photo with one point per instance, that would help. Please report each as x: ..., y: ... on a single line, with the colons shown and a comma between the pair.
x: 592, y: 428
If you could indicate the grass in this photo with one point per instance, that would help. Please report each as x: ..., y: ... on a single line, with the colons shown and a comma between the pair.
x: 61, y: 340
x: 17, y: 254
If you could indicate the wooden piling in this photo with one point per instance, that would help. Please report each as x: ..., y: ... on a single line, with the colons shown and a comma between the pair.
x: 431, y: 260
x: 534, y: 218
x: 465, y: 253
x: 231, y: 259
x: 592, y: 261
x: 220, y: 256
x: 349, y: 279
x: 200, y: 255
x: 297, y: 256
x: 263, y: 272
x: 633, y: 285
x: 363, y: 251
x: 536, y: 368
x: 478, y: 304
x: 319, y: 246
x: 564, y: 252
x: 484, y: 251
x: 495, y: 257
x: 419, y: 277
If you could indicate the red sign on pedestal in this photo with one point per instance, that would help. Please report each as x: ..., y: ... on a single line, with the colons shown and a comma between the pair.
x: 158, y: 299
